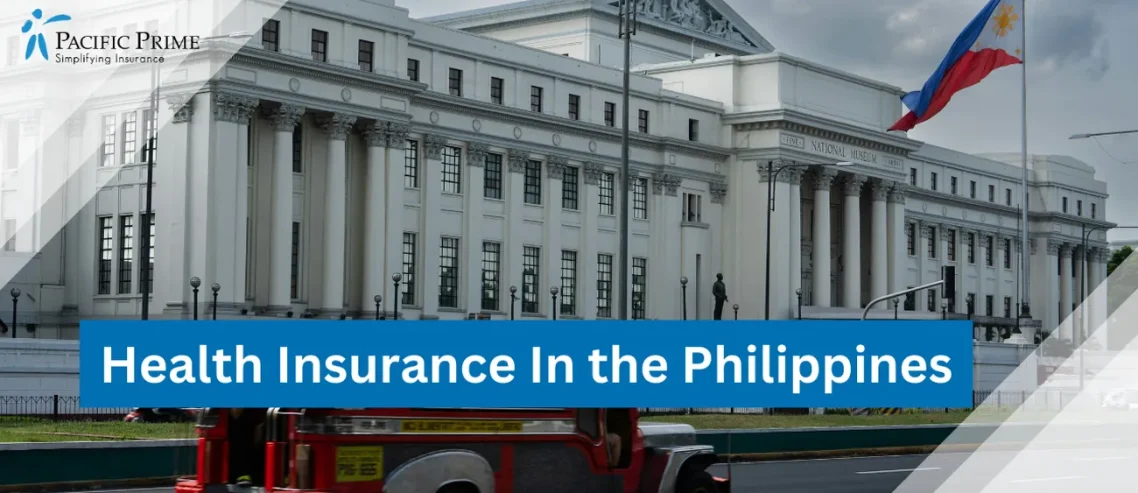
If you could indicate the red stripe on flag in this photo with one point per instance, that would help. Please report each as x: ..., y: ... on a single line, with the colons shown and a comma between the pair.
x: 972, y: 68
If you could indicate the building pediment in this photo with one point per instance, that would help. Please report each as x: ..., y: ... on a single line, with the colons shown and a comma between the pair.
x: 714, y: 18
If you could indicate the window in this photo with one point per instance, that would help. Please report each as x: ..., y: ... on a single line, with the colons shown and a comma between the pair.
x: 410, y: 251
x: 913, y: 176
x: 1008, y: 196
x: 971, y: 248
x: 294, y: 281
x: 972, y: 189
x: 12, y: 145
x: 932, y: 181
x: 1007, y: 307
x: 988, y: 302
x: 931, y: 302
x: 1064, y: 205
x: 1007, y: 253
x: 491, y: 268
x: 531, y: 263
x: 912, y: 227
x: 693, y: 130
x: 298, y: 149
x: 455, y: 82
x: 413, y: 69
x: 970, y: 303
x: 640, y: 198
x: 367, y: 56
x: 319, y: 45
x: 535, y: 95
x: 148, y: 221
x: 991, y: 193
x: 569, y: 188
x: 610, y: 114
x: 496, y: 85
x: 126, y: 253
x: 951, y: 253
x: 639, y: 287
x: 448, y: 273
x: 988, y: 251
x: 568, y: 282
x: 1093, y: 211
x: 606, y: 193
x: 452, y: 170
x: 952, y: 185
x: 129, y: 137
x: 13, y: 50
x: 106, y: 253
x: 270, y: 35
x: 533, y: 183
x: 692, y: 208
x: 492, y: 180
x: 642, y: 121
x: 109, y: 134
x: 150, y: 124
x: 932, y: 242
x: 411, y: 164
x: 10, y: 234
x: 604, y: 285
x: 1079, y: 207
x: 574, y: 107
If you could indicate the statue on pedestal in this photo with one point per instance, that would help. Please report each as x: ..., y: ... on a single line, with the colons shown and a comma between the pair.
x: 719, y: 290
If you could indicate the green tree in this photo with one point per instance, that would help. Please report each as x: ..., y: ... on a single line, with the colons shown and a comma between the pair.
x: 1117, y: 258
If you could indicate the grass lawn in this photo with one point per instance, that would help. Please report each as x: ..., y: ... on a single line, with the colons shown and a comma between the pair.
x: 38, y: 430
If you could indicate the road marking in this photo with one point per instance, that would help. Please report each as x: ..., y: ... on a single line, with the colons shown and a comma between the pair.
x: 1088, y: 459
x: 888, y: 471
x: 1040, y: 480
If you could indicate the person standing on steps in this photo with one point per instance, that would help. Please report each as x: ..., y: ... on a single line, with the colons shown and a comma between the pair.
x: 719, y: 290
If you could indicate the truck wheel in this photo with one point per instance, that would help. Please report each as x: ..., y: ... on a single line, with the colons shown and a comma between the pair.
x: 697, y: 482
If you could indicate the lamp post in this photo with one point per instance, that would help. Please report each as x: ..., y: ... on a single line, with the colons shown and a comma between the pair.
x: 736, y: 308
x: 513, y: 300
x: 626, y: 29
x: 396, y: 277
x: 378, y: 299
x: 684, y: 287
x: 772, y: 174
x: 553, y: 293
x: 15, y: 302
x: 798, y: 293
x: 895, y: 303
x: 944, y: 311
x: 195, y: 283
x: 215, y: 288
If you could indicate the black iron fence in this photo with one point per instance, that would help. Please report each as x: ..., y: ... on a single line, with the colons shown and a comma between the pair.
x: 57, y: 407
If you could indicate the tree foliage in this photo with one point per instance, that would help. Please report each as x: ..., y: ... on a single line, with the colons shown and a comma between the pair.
x: 1117, y: 258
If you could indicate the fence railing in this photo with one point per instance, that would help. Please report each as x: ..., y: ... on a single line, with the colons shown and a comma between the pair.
x: 57, y: 407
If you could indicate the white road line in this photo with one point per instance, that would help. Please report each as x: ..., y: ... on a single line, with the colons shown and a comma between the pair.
x: 888, y: 471
x: 1088, y: 459
x: 1040, y: 480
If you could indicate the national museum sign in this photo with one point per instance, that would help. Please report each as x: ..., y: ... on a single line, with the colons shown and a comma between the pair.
x: 841, y: 152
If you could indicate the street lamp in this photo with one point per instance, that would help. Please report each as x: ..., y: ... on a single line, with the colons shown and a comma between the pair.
x: 798, y: 293
x: 195, y: 283
x: 378, y: 299
x: 396, y: 277
x: 736, y: 308
x: 772, y: 174
x: 684, y: 286
x: 1100, y: 134
x: 626, y: 29
x: 215, y: 288
x: 944, y: 311
x: 513, y: 300
x: 895, y: 303
x: 15, y: 301
x: 553, y: 293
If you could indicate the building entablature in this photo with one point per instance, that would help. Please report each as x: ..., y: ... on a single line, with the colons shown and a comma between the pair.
x: 924, y: 219
x: 798, y: 122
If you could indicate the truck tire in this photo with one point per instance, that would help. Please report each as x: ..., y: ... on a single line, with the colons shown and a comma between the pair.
x: 697, y: 482
x: 459, y: 488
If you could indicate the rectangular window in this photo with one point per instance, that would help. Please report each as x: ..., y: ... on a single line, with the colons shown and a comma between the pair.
x: 496, y: 86
x: 912, y: 227
x: 932, y: 242
x: 148, y: 221
x: 952, y: 185
x: 1064, y: 205
x: 110, y: 132
x: 1008, y: 196
x: 972, y: 189
x: 971, y: 248
x: 294, y: 276
x: 606, y: 193
x: 988, y: 305
x: 610, y: 114
x: 574, y: 107
x: 569, y: 187
x: 1007, y: 307
x: 367, y: 56
x: 452, y: 170
x: 126, y: 253
x: 913, y: 176
x: 533, y: 182
x: 150, y: 124
x: 413, y: 69
x: 951, y: 253
x: 10, y: 234
x: 319, y: 45
x: 931, y: 302
x: 642, y: 121
x: 531, y: 276
x: 970, y: 303
x: 270, y: 35
x: 455, y: 82
x: 932, y: 181
x: 639, y: 288
x: 1079, y: 208
x: 1007, y: 253
x: 568, y: 282
x: 604, y: 285
x: 411, y: 164
x: 298, y: 149
x: 988, y: 253
x: 692, y: 205
x: 448, y: 273
x: 410, y: 251
x: 129, y: 137
x: 535, y: 98
x: 640, y: 198
x: 491, y: 268
x: 492, y: 181
x: 693, y: 130
x: 106, y: 253
x: 1093, y: 210
x: 992, y: 193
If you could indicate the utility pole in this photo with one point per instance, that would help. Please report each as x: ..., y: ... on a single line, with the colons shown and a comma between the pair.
x: 151, y: 124
x: 627, y: 28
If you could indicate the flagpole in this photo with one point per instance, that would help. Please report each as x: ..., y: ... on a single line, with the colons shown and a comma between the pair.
x: 1025, y: 246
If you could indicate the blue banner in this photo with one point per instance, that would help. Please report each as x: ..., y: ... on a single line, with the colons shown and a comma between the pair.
x: 384, y: 364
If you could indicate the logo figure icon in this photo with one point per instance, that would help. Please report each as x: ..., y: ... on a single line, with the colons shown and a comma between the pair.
x: 37, y: 41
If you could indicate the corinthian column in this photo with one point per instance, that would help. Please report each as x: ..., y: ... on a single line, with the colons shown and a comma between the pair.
x: 375, y: 135
x: 851, y: 242
x: 284, y: 120
x: 824, y: 179
x: 336, y: 128
x: 879, y: 241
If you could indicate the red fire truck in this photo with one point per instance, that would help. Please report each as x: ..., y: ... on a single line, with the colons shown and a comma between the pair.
x: 447, y: 451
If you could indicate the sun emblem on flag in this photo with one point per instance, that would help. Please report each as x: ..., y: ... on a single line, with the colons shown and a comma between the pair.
x: 1005, y: 20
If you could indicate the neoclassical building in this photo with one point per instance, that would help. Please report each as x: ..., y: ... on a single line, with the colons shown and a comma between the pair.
x: 346, y: 143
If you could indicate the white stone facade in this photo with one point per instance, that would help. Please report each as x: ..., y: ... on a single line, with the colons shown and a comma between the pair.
x: 301, y: 181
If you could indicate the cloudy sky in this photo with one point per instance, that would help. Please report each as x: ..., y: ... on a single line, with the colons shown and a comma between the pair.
x: 1082, y: 71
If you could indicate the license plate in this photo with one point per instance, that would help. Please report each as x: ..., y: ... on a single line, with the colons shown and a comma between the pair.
x: 460, y: 426
x: 359, y: 464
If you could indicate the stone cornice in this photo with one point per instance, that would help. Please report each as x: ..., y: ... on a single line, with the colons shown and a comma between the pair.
x: 793, y: 121
x: 311, y: 103
x: 963, y: 226
x: 301, y: 67
x: 940, y: 197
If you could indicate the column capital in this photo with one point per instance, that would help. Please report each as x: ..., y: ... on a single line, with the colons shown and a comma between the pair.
x: 898, y: 193
x: 1104, y: 255
x: 793, y: 175
x: 926, y: 229
x: 517, y: 159
x: 234, y: 108
x: 376, y: 134
x: 555, y: 167
x: 824, y: 177
x: 633, y: 178
x: 1067, y: 250
x: 476, y: 154
x: 880, y: 190
x: 718, y: 191
x: 338, y: 126
x: 397, y: 133
x: 593, y: 173
x: 1054, y: 247
x: 1018, y: 245
x: 852, y: 184
x: 908, y: 230
x: 182, y: 106
x: 986, y: 241
x: 285, y: 117
x: 434, y: 145
x: 76, y: 123
x: 672, y: 184
x: 29, y: 123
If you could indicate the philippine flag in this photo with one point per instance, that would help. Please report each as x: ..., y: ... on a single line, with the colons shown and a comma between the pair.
x: 992, y: 40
